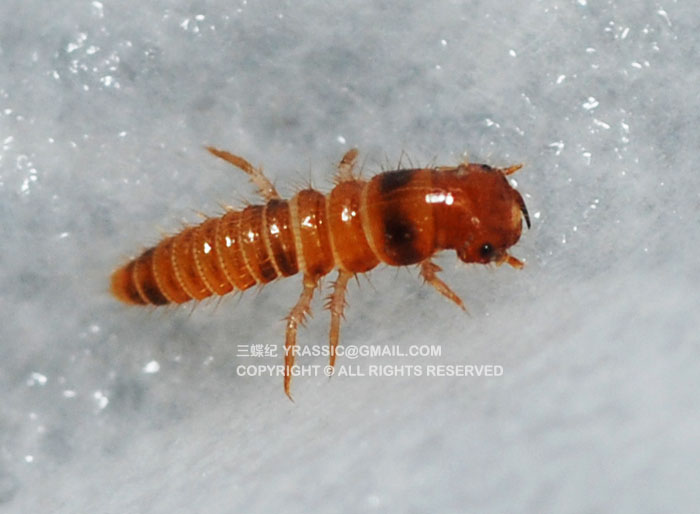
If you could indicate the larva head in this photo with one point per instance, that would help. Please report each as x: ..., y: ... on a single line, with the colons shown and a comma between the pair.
x: 494, y: 212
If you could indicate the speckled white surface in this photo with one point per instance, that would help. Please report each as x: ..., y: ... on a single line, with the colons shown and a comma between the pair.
x: 104, y: 108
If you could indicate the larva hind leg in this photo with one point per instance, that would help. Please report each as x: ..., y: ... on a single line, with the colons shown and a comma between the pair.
x: 296, y: 316
x: 346, y: 165
x: 265, y: 188
x: 429, y: 270
x: 336, y: 304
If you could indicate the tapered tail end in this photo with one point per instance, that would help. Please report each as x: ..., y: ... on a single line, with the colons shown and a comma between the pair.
x: 122, y: 286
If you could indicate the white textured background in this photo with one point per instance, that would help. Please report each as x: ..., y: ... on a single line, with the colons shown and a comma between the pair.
x: 104, y: 108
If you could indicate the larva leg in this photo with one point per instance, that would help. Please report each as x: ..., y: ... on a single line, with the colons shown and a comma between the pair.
x: 265, y: 187
x: 428, y: 271
x: 296, y: 316
x: 347, y: 163
x: 336, y: 304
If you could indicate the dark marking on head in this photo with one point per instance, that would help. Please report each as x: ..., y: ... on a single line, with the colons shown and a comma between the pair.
x: 487, y: 167
x: 393, y: 180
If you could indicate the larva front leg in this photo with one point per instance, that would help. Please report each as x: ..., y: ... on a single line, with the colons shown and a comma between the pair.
x: 429, y: 270
x: 296, y: 316
x: 265, y: 188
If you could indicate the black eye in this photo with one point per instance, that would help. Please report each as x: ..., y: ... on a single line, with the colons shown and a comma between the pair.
x: 486, y: 251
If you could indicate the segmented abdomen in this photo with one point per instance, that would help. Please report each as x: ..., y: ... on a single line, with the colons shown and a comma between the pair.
x: 359, y: 224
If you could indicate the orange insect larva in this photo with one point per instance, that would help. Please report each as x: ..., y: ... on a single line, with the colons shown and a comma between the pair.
x: 397, y: 217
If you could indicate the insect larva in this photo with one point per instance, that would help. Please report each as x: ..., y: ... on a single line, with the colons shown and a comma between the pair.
x: 398, y: 218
